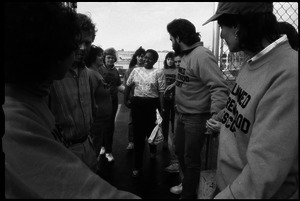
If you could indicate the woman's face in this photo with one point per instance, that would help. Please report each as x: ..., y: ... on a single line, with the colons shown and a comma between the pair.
x: 229, y: 35
x: 140, y: 60
x: 99, y: 60
x: 170, y: 61
x: 177, y: 61
x: 148, y: 60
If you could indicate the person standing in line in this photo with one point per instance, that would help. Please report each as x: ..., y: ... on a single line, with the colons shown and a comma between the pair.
x: 137, y: 60
x: 38, y: 164
x: 170, y: 72
x: 258, y: 155
x: 200, y: 93
x: 101, y: 99
x: 112, y: 80
x: 149, y: 85
x: 71, y: 99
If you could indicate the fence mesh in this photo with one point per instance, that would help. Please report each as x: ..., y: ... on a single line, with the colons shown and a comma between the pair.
x: 230, y: 63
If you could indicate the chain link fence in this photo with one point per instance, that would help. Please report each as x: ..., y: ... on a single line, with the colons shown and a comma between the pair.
x: 230, y: 63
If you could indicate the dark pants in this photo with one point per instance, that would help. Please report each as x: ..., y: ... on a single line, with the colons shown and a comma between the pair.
x: 98, y: 130
x: 143, y: 119
x: 107, y: 139
x: 189, y: 141
x: 130, y: 128
x: 169, y: 115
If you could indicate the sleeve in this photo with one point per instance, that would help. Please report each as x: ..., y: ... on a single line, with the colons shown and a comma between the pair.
x: 51, y: 170
x: 118, y: 81
x: 210, y: 74
x: 161, y: 80
x: 126, y: 75
x: 130, y: 78
x: 272, y: 151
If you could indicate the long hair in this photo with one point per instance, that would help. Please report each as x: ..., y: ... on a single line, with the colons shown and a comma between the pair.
x: 140, y: 51
x: 185, y: 30
x: 37, y: 36
x: 169, y: 55
x: 291, y: 32
x: 253, y: 28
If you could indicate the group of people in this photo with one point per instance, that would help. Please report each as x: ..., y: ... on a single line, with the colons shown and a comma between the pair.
x: 60, y: 109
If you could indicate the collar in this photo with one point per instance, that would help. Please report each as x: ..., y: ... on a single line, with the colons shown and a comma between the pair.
x: 191, y: 48
x: 268, y: 48
x: 109, y: 68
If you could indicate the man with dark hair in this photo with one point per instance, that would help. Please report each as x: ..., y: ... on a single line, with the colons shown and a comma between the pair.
x: 37, y: 163
x: 71, y: 99
x: 201, y: 92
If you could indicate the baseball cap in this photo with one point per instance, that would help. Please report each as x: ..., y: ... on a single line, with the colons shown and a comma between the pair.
x: 242, y: 8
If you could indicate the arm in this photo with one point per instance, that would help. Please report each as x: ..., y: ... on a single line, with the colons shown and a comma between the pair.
x: 128, y: 87
x: 121, y: 88
x: 169, y: 89
x: 211, y: 75
x: 127, y: 102
x: 161, y: 80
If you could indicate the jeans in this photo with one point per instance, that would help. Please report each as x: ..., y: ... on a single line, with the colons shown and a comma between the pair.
x: 107, y: 139
x: 169, y: 115
x: 171, y: 143
x: 189, y: 141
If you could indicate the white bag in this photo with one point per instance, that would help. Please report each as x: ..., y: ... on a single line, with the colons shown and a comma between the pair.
x: 207, y: 184
x: 156, y: 135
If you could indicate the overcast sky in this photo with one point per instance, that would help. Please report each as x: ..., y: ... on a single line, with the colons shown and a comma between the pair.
x: 128, y: 25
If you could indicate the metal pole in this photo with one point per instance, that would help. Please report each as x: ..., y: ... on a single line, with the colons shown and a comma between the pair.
x: 216, y: 36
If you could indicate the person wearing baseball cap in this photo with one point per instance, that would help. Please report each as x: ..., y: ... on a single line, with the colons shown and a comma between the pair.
x: 258, y: 147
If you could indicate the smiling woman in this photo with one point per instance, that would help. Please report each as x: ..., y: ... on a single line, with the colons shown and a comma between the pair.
x: 127, y: 25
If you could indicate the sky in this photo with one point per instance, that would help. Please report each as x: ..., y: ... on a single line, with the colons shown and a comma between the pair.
x: 129, y: 25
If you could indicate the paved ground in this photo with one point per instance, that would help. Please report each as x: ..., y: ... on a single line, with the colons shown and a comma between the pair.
x: 154, y: 182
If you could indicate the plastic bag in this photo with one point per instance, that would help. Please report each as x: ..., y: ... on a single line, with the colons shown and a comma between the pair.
x: 207, y: 184
x: 156, y: 136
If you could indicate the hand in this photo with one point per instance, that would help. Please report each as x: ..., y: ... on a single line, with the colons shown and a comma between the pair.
x: 168, y: 90
x: 127, y: 103
x: 213, y: 125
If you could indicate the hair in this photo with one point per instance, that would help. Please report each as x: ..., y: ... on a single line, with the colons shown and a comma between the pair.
x: 138, y: 52
x: 37, y: 36
x: 253, y: 28
x: 291, y: 32
x: 154, y: 53
x: 110, y: 51
x: 87, y: 25
x: 92, y: 55
x: 185, y: 30
x: 169, y: 55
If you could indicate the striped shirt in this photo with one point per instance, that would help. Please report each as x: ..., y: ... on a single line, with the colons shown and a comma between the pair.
x: 70, y: 100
